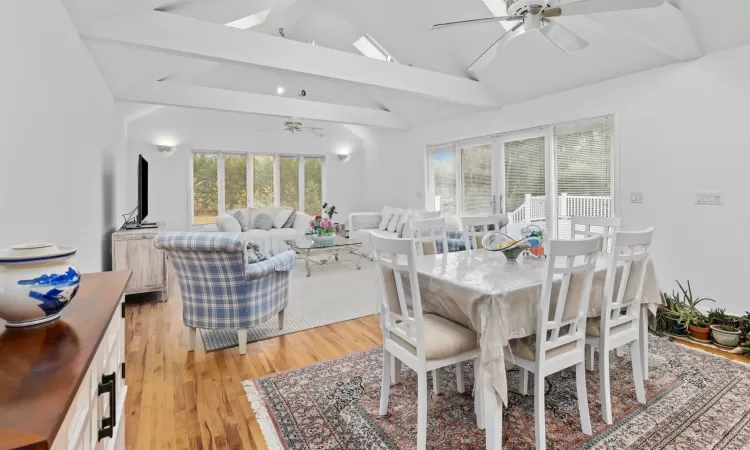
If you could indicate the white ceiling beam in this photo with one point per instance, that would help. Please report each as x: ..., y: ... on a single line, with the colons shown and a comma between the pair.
x: 189, y: 37
x: 199, y: 97
x: 664, y: 29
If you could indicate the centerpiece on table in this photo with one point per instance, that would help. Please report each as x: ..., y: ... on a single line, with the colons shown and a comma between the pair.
x: 322, y: 231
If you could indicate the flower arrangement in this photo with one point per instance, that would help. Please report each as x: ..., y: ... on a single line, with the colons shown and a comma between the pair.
x: 329, y: 210
x: 321, y: 226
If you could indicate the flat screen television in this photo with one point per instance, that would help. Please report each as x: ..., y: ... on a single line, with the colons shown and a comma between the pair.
x: 143, y: 192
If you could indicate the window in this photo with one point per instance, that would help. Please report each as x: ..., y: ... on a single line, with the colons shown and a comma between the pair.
x: 524, y: 173
x: 223, y: 181
x: 476, y: 179
x: 442, y: 166
x: 314, y: 186
x: 205, y: 188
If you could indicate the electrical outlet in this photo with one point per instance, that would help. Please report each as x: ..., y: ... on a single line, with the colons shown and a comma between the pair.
x: 709, y: 198
x: 636, y: 197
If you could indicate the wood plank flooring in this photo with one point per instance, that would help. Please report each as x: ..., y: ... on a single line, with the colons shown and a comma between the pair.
x: 195, y: 400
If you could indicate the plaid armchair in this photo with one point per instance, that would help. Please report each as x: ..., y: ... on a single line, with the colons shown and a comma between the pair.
x: 219, y: 289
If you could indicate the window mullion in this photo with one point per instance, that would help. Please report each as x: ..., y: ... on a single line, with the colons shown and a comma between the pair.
x: 277, y: 181
x: 249, y: 179
x: 220, y: 181
x: 301, y: 174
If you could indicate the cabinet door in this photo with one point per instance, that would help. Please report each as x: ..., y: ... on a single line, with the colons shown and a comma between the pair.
x: 145, y: 260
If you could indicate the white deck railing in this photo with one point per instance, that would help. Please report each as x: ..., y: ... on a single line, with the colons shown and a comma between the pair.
x: 534, y: 207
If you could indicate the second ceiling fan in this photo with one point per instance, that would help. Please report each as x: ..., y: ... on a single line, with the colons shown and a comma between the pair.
x: 539, y: 15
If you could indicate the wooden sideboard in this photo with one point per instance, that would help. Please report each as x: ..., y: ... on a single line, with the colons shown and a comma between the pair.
x: 62, y: 384
x: 134, y: 250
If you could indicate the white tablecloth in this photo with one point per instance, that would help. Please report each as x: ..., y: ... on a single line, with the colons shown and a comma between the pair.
x: 499, y: 299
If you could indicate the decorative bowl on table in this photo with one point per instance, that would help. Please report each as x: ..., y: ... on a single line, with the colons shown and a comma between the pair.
x: 510, y: 247
x: 322, y: 240
x: 36, y: 283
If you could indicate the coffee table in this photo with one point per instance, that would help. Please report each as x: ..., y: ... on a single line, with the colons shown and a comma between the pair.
x: 321, y: 254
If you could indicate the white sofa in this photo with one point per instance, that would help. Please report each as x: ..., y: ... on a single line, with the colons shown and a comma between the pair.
x: 272, y: 241
x: 362, y: 224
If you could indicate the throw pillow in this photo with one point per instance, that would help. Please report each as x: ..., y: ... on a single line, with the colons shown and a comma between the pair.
x: 263, y: 222
x: 254, y: 255
x: 244, y: 217
x: 281, y: 217
x: 384, y: 221
x: 290, y: 221
x: 402, y: 223
x: 393, y: 223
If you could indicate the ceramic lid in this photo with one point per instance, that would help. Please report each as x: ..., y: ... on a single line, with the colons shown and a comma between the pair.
x: 35, y: 252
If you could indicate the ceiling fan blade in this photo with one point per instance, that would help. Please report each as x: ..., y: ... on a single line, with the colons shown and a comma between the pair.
x: 568, y: 41
x: 475, y: 21
x: 489, y: 54
x: 599, y: 6
x: 312, y: 128
x: 267, y: 129
x: 312, y: 132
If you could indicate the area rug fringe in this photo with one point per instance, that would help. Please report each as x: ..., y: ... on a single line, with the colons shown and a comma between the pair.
x: 261, y: 415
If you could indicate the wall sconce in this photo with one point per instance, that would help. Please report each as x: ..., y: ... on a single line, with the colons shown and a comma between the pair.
x: 165, y: 150
x: 343, y: 154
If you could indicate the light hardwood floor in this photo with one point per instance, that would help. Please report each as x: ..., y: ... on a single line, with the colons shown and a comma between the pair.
x: 182, y: 400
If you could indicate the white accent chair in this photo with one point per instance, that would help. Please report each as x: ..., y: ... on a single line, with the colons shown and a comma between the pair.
x: 424, y: 342
x: 586, y: 227
x: 429, y: 231
x: 470, y: 224
x: 560, y: 338
x: 614, y: 328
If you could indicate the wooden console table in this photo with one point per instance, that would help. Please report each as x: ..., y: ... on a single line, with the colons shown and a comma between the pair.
x: 62, y: 384
x: 134, y: 250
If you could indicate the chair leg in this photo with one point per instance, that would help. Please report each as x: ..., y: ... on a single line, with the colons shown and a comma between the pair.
x: 422, y: 411
x: 604, y: 392
x: 540, y: 434
x: 395, y: 370
x: 479, y: 409
x: 190, y: 339
x: 590, y: 358
x: 523, y: 381
x: 242, y: 337
x: 460, y: 386
x: 436, y: 381
x: 281, y: 319
x: 583, y: 399
x: 385, y: 387
x: 635, y: 353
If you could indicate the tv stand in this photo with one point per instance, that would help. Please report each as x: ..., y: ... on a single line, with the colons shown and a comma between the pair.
x: 138, y: 226
x: 133, y: 249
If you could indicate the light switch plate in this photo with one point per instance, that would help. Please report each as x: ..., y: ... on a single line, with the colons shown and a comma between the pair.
x: 636, y: 197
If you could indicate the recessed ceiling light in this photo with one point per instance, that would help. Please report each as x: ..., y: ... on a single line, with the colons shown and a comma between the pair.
x: 280, y: 90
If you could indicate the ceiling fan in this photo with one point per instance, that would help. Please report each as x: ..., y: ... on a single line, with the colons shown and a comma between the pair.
x: 294, y: 126
x: 539, y: 15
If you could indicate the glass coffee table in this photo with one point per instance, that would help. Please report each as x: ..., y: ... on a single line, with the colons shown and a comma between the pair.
x: 321, y: 254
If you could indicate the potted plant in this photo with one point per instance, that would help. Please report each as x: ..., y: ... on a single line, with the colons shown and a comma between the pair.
x: 725, y: 335
x: 667, y: 316
x: 329, y: 210
x: 696, y: 323
x: 322, y: 231
x: 718, y: 316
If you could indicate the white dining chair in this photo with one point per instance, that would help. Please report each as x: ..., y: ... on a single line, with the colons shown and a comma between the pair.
x: 424, y: 342
x: 585, y: 226
x: 429, y: 231
x: 469, y: 227
x: 561, y: 328
x: 621, y: 312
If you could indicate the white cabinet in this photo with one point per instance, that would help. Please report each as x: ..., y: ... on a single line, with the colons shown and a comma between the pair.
x: 134, y: 250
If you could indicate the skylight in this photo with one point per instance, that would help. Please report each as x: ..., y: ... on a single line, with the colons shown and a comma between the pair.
x: 368, y: 46
x: 250, y: 21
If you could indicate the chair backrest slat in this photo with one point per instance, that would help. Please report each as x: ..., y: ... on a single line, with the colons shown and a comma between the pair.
x: 429, y: 231
x: 469, y: 227
x: 407, y: 323
x: 584, y: 227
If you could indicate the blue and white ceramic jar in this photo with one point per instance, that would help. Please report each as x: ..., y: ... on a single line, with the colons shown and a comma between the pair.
x: 36, y: 283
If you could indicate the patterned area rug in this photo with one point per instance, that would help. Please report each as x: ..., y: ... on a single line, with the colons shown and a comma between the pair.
x: 333, y: 293
x: 695, y: 401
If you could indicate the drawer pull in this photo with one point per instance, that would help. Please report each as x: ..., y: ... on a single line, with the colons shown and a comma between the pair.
x: 107, y: 386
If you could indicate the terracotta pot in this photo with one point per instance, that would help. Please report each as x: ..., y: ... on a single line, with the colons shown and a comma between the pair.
x: 700, y: 333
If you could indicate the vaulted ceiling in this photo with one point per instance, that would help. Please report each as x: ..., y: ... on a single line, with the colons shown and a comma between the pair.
x: 180, y: 54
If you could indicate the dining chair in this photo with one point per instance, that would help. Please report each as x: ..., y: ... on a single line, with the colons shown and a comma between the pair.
x: 429, y: 231
x: 561, y: 327
x: 469, y: 227
x: 621, y: 312
x: 424, y: 342
x: 585, y: 226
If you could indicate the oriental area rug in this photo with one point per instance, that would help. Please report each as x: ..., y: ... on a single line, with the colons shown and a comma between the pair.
x: 694, y: 401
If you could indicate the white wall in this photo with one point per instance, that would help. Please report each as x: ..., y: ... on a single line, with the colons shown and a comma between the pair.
x: 61, y: 134
x: 683, y: 129
x: 344, y: 183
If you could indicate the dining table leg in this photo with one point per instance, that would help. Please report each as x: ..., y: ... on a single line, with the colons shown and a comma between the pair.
x: 493, y: 417
x: 479, y: 409
x: 643, y: 340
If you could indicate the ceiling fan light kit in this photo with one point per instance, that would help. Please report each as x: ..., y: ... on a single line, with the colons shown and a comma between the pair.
x: 539, y: 15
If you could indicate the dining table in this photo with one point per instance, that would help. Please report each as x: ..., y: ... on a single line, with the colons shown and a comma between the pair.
x: 499, y: 299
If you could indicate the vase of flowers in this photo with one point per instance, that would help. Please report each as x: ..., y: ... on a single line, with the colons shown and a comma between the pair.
x: 329, y: 210
x: 322, y: 231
